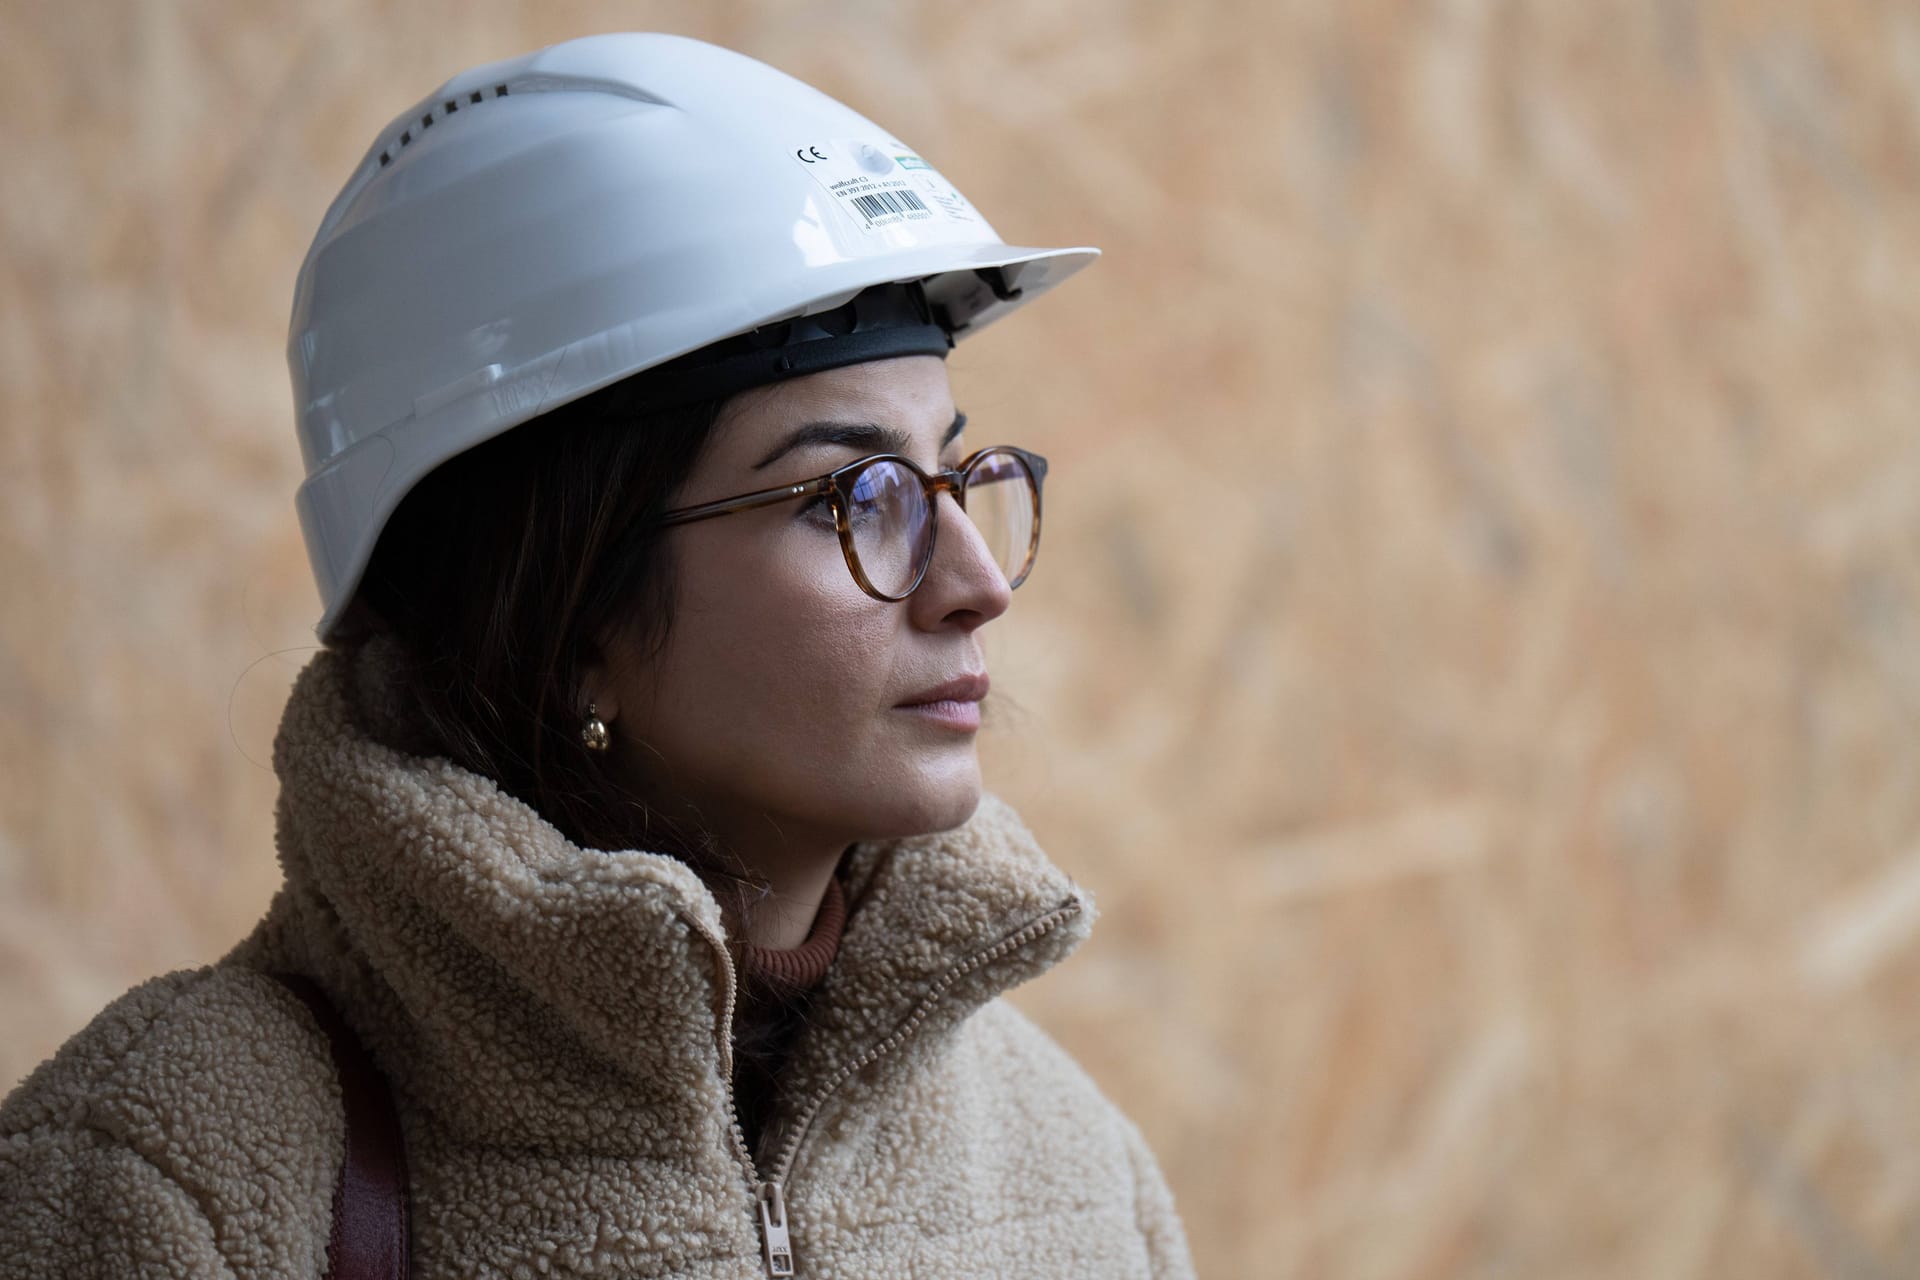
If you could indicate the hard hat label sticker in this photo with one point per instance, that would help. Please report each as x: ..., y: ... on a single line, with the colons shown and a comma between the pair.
x: 884, y: 188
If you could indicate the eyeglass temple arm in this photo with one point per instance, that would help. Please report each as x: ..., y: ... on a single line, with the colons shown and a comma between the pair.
x: 758, y: 498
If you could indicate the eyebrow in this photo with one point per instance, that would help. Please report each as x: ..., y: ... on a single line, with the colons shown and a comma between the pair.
x: 861, y: 435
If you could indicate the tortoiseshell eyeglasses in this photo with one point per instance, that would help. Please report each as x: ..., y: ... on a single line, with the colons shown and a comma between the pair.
x: 883, y: 509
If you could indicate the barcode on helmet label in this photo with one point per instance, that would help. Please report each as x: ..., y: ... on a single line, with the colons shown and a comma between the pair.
x: 881, y: 203
x: 882, y: 188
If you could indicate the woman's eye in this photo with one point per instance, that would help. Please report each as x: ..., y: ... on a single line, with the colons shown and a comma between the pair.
x: 819, y: 510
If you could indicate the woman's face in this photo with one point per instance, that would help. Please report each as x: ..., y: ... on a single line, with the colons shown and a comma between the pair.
x: 775, y: 707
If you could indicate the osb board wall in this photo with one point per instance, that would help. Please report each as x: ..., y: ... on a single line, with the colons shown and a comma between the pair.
x: 1475, y: 657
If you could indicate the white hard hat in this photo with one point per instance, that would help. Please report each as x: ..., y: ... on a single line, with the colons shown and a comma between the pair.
x: 541, y: 227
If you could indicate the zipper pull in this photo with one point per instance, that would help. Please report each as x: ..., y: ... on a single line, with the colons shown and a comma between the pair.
x: 773, y: 1230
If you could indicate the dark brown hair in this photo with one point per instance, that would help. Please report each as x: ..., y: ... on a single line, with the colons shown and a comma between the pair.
x: 503, y: 570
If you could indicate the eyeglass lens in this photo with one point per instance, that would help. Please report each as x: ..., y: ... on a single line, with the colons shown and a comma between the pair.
x: 892, y: 520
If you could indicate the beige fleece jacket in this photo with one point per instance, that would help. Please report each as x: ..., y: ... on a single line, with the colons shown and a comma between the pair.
x: 554, y: 1023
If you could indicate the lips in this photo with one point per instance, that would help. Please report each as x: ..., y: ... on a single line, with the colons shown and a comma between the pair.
x: 968, y: 688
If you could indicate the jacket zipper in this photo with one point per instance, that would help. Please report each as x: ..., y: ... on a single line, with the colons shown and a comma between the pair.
x: 776, y: 1248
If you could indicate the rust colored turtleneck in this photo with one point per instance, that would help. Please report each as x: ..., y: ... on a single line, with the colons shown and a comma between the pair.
x: 807, y: 964
x: 777, y: 985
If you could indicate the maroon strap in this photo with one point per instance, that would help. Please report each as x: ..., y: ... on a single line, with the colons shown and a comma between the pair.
x: 369, y: 1240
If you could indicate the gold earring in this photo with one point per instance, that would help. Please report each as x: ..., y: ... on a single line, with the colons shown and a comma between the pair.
x: 594, y: 732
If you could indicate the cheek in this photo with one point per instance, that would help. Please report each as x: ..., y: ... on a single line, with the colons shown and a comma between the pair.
x: 776, y: 651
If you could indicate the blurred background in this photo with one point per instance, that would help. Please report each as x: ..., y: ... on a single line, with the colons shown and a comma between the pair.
x: 1476, y: 656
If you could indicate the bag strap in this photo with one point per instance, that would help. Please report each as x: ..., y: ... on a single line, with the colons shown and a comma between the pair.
x: 369, y: 1238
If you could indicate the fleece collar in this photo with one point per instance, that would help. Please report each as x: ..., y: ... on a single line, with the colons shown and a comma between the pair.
x: 528, y: 992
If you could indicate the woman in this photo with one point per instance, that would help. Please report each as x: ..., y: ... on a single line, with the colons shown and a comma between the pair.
x: 636, y: 855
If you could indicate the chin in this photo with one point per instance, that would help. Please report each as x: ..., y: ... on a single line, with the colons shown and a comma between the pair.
x: 936, y: 804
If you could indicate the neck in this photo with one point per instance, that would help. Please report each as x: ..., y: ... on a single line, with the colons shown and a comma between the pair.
x: 784, y: 919
x: 796, y: 862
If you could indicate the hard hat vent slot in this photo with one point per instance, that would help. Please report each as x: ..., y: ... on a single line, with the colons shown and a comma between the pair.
x: 441, y: 112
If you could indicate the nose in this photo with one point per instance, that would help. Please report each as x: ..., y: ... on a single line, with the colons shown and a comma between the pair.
x: 964, y: 585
